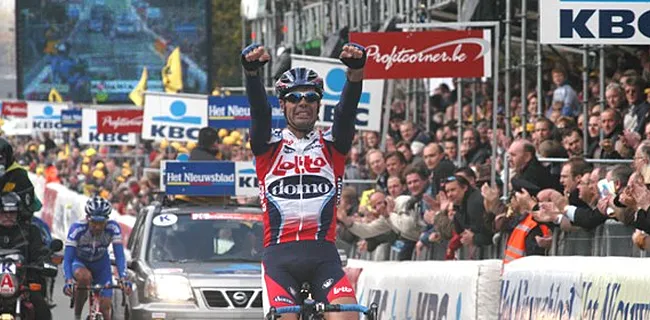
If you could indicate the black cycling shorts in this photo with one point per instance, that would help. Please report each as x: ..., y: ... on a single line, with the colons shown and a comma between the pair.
x: 287, y: 266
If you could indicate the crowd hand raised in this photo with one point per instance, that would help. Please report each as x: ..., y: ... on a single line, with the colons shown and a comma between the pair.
x: 434, y: 237
x: 434, y: 204
x: 254, y: 57
x: 353, y: 56
x: 467, y: 237
x: 627, y: 197
x: 390, y: 205
x: 362, y: 246
x: 490, y: 196
x: 631, y: 139
x: 603, y: 204
x: 429, y: 216
x: 638, y: 238
x: 544, y: 242
x: 547, y: 212
x: 524, y: 197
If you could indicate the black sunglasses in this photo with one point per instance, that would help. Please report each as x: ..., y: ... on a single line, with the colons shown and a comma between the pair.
x: 309, y: 96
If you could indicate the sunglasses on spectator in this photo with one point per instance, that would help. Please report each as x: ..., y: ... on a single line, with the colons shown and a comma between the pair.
x: 309, y: 96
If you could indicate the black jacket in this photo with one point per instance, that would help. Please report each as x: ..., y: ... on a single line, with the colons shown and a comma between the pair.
x: 470, y: 215
x: 574, y: 199
x: 26, y: 238
x: 15, y: 179
x: 539, y: 175
x: 588, y: 218
x: 203, y: 154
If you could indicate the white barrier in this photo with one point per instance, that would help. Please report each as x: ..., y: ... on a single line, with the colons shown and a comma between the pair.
x: 576, y: 288
x: 62, y: 207
x: 430, y: 289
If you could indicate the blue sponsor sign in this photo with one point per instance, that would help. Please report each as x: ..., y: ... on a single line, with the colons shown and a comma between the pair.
x: 199, y: 178
x: 71, y: 118
x: 233, y: 112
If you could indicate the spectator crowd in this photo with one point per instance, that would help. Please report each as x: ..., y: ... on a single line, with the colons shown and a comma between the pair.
x: 425, y: 196
x: 427, y: 202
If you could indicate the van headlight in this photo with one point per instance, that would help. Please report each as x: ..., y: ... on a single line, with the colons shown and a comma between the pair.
x: 166, y: 287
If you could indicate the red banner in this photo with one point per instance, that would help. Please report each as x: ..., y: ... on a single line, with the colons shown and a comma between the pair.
x: 119, y: 121
x: 426, y: 54
x: 16, y: 109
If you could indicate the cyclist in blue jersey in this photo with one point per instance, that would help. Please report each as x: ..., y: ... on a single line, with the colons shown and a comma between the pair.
x: 86, y: 261
x: 300, y: 173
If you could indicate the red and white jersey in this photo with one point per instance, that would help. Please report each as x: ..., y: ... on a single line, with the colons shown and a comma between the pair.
x: 300, y: 185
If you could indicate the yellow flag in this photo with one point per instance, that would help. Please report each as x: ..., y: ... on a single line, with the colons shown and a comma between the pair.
x: 172, y: 73
x: 137, y: 95
x: 54, y: 96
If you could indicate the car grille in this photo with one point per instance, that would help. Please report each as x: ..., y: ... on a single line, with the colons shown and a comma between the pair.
x: 215, y: 299
x: 257, y: 303
x: 233, y: 298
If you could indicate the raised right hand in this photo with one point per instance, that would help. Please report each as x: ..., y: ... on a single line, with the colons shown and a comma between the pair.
x: 254, y: 57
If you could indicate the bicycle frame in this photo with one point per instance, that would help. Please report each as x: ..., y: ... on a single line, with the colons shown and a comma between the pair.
x: 93, y: 298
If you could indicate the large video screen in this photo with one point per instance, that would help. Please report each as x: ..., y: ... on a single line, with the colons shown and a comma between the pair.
x: 95, y: 50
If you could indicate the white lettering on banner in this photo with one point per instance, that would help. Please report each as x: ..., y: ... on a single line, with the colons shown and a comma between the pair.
x: 238, y: 111
x: 190, y: 177
x: 409, y: 56
x: 89, y: 134
x: 121, y: 122
x: 14, y: 109
x: 231, y: 110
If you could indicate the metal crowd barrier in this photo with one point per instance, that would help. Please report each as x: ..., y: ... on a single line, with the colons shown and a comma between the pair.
x: 612, y: 238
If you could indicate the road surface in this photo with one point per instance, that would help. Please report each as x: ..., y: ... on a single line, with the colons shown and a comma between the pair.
x: 62, y: 310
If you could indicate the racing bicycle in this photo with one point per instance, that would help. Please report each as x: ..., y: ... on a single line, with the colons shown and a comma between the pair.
x: 312, y: 310
x: 94, y: 312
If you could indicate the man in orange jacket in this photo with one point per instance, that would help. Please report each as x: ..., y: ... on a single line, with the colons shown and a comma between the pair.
x: 527, y: 236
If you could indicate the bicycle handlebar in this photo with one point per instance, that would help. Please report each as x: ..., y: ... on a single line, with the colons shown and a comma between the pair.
x: 325, y: 308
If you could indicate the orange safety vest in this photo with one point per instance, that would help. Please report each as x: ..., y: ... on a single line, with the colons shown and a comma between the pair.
x: 516, y: 247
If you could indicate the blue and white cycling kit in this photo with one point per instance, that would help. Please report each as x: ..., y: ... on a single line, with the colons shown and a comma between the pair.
x: 83, y: 250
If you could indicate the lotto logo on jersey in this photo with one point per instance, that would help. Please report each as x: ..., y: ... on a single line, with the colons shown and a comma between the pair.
x: 341, y: 290
x: 298, y: 164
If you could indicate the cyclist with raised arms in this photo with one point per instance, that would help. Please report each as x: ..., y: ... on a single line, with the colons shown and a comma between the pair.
x: 86, y: 259
x: 300, y: 173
